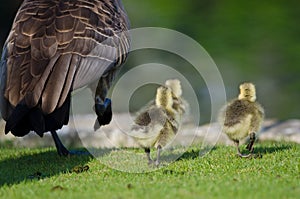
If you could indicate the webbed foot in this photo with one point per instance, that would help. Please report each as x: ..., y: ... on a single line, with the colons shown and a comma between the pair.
x: 62, y: 150
x: 245, y: 155
x: 236, y: 142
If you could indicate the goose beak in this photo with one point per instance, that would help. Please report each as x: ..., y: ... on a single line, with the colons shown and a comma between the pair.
x: 104, y: 113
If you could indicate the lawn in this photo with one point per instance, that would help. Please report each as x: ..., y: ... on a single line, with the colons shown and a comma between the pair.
x: 40, y: 173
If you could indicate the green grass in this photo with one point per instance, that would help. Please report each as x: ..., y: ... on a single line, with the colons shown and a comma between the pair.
x: 40, y: 173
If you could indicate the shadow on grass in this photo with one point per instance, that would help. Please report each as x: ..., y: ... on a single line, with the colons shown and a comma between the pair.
x: 270, y: 149
x: 35, y: 166
x: 193, y: 154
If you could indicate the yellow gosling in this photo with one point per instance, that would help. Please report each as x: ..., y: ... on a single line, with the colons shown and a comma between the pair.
x: 242, y: 117
x: 157, y: 124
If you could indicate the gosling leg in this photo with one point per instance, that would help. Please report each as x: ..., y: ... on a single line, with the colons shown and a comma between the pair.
x: 236, y: 142
x: 251, y: 143
x: 157, y: 162
x: 147, y: 151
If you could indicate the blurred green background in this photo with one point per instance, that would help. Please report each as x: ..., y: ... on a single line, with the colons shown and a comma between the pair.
x: 256, y: 41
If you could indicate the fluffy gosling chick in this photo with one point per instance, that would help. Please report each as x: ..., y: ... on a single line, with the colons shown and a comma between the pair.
x: 158, y: 124
x: 242, y: 117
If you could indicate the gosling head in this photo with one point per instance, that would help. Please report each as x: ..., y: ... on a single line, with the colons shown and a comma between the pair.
x: 164, y: 98
x: 247, y: 92
x: 175, y: 86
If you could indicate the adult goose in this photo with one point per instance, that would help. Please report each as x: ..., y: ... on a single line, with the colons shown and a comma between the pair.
x: 53, y: 48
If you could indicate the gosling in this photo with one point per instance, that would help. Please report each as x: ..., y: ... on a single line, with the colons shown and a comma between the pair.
x: 180, y: 105
x: 242, y: 117
x: 157, y: 124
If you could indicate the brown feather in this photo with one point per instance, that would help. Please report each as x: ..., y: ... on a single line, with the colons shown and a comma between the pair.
x: 51, y: 40
x: 55, y: 84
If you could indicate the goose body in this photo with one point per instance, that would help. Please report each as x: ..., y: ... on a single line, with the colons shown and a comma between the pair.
x: 53, y: 48
x: 242, y: 117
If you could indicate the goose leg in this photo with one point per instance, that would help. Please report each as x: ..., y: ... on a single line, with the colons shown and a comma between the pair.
x: 61, y: 149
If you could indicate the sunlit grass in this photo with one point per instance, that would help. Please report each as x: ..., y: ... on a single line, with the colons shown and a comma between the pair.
x: 40, y: 173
